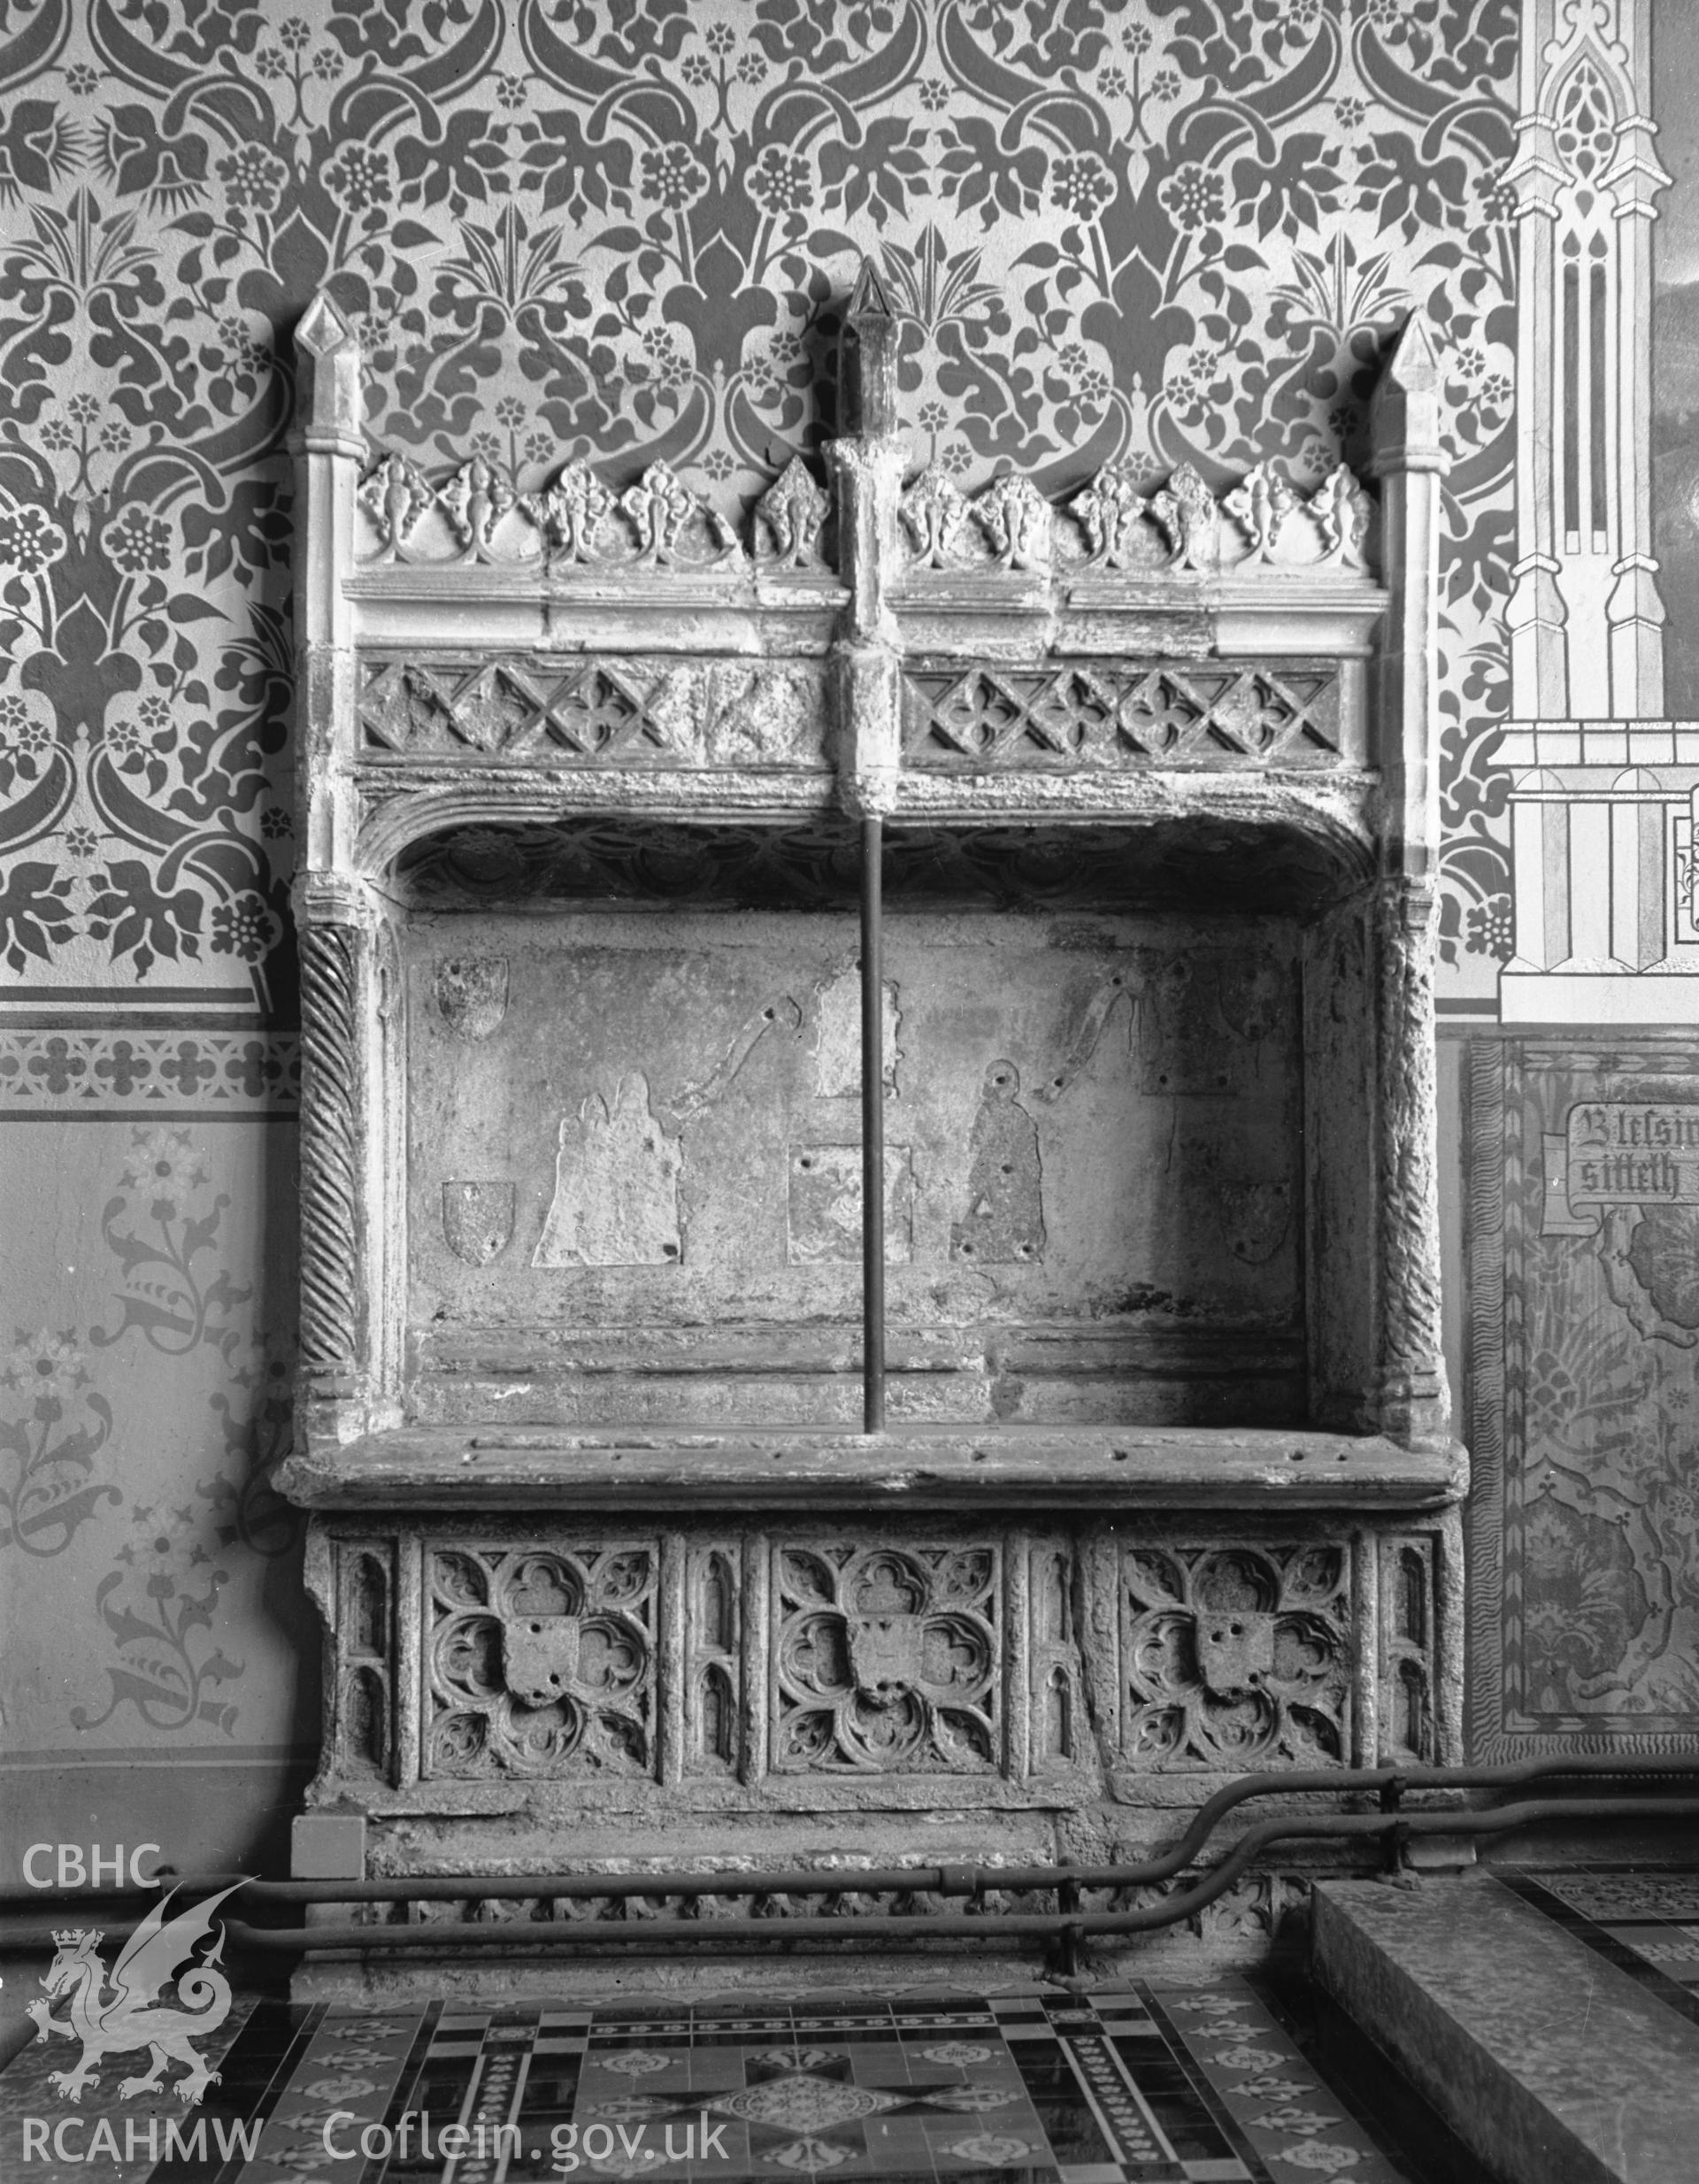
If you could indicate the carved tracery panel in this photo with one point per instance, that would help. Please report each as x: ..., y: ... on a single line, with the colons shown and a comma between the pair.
x: 612, y: 712
x: 1237, y: 1655
x: 887, y: 1658
x: 542, y: 1661
x: 1094, y: 714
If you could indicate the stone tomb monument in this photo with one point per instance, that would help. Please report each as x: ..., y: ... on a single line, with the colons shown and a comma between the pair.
x: 869, y: 1240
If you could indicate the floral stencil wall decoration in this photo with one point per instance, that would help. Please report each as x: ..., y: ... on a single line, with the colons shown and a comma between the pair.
x: 1152, y: 231
x: 137, y: 1446
x: 158, y: 1606
x: 160, y: 1224
x: 53, y: 1423
x: 157, y: 1603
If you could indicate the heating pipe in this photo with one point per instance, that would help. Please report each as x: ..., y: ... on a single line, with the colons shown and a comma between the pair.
x: 511, y: 1935
x: 1389, y: 1784
x: 1391, y: 1824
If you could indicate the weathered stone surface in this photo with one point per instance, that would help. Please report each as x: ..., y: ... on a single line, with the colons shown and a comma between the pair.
x: 724, y: 1669
x: 1077, y: 1467
x: 824, y: 1204
x: 617, y: 1172
x: 1103, y: 1143
x: 609, y: 713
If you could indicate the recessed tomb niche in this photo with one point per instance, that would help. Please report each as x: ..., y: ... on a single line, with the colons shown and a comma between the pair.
x: 868, y: 1226
x: 633, y: 1153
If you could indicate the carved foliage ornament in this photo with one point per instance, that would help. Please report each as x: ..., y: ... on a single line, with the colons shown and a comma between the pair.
x: 1236, y: 1657
x: 475, y: 516
x: 886, y: 1659
x: 789, y: 519
x: 1012, y: 518
x: 1115, y: 526
x: 1116, y: 523
x: 542, y: 1661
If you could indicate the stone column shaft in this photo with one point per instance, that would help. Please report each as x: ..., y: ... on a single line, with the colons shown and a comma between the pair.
x: 1410, y: 463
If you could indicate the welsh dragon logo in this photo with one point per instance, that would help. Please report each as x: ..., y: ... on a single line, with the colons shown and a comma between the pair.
x: 113, y: 2016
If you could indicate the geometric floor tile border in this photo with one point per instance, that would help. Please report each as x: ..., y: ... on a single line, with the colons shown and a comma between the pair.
x: 1147, y: 2084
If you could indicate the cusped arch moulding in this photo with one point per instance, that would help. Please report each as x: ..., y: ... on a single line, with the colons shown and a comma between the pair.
x: 1169, y: 1486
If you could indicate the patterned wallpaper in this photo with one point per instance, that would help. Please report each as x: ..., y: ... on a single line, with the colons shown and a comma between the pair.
x: 1158, y: 229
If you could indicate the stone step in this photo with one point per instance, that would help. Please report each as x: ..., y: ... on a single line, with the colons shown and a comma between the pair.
x: 1554, y: 2066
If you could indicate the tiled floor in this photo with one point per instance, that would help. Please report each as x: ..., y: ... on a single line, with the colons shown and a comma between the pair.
x: 1647, y: 1923
x: 1146, y: 2082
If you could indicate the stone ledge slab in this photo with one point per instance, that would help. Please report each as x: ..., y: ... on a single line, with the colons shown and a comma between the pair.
x: 1095, y: 1469
x: 1552, y: 2065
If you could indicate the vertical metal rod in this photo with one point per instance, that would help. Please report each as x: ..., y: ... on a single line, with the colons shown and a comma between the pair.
x: 872, y: 1130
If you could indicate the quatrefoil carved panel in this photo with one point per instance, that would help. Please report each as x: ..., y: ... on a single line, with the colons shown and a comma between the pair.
x: 542, y: 1661
x: 885, y: 1659
x: 1236, y: 1655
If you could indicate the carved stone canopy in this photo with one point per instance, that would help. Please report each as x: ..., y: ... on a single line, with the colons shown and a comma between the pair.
x: 1160, y: 696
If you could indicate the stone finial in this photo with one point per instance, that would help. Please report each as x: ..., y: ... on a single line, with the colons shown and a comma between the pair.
x: 870, y: 297
x: 867, y: 357
x: 329, y: 398
x: 322, y: 326
x: 1404, y: 413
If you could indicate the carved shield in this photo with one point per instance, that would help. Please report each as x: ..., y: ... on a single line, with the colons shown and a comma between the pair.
x: 540, y: 1657
x: 886, y: 1652
x: 472, y: 993
x: 1255, y: 1218
x: 1235, y: 1648
x: 477, y: 1219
